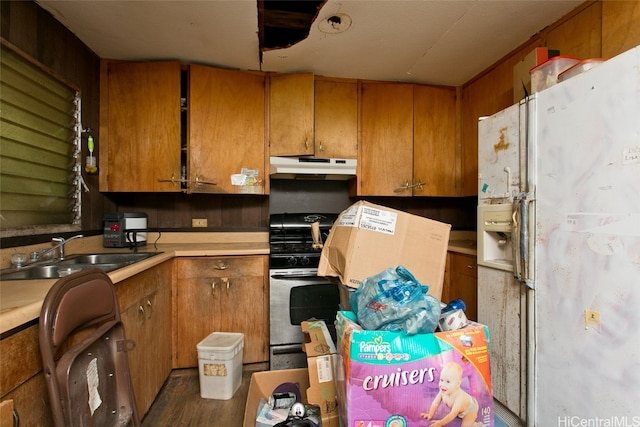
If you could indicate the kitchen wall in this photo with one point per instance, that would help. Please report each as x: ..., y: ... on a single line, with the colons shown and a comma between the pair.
x: 294, y: 196
x: 597, y: 28
x: 35, y: 32
x: 333, y: 197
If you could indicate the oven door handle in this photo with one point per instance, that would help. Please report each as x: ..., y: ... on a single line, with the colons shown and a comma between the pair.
x: 294, y: 277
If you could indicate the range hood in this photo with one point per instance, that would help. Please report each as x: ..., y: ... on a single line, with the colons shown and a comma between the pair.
x: 311, y: 168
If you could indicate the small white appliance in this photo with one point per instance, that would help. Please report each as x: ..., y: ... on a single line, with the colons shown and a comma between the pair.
x: 125, y: 229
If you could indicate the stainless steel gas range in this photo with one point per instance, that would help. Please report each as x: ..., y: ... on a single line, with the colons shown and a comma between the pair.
x: 296, y: 292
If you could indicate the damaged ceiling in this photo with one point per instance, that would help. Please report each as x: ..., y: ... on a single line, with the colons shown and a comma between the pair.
x: 444, y: 42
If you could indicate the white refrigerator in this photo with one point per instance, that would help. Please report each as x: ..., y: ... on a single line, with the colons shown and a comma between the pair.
x: 559, y: 249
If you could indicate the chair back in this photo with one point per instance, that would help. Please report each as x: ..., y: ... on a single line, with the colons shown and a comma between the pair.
x: 83, y: 348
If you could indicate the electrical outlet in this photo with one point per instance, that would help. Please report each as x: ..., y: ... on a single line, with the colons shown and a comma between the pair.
x: 198, y: 222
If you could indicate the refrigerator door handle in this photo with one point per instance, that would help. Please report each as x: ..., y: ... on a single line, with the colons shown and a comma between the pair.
x: 523, y: 209
x: 515, y: 239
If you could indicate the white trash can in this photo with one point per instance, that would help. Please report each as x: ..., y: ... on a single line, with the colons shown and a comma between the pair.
x: 220, y: 365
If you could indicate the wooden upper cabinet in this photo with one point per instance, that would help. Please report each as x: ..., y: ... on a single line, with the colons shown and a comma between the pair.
x: 139, y: 141
x: 336, y: 118
x: 291, y: 114
x: 226, y: 111
x: 435, y: 148
x: 385, y: 160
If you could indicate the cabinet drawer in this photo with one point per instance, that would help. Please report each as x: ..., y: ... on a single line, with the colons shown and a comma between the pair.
x: 464, y: 264
x: 240, y: 266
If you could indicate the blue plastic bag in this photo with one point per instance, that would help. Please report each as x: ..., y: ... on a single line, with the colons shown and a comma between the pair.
x: 394, y: 300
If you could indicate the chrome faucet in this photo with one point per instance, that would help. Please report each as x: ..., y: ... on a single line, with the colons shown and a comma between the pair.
x: 35, y: 256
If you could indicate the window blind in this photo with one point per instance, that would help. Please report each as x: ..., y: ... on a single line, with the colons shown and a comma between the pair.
x: 39, y: 122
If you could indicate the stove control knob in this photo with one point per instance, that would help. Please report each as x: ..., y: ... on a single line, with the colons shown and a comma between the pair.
x: 304, y: 260
x: 291, y: 261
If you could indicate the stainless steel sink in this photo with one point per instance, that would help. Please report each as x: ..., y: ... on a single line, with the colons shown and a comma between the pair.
x: 104, y: 258
x: 74, y: 263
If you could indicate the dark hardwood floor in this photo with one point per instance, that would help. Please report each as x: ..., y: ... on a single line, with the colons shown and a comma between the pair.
x: 179, y: 403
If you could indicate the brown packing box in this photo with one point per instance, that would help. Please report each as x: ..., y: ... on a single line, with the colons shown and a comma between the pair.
x: 317, y: 383
x: 322, y: 365
x: 262, y: 386
x: 521, y: 75
x: 367, y: 239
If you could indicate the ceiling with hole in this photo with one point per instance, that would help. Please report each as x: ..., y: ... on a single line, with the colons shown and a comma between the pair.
x: 445, y: 42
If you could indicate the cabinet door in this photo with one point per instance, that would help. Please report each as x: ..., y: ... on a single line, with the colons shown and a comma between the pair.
x: 291, y: 114
x: 133, y: 319
x: 245, y: 311
x: 139, y: 126
x: 435, y: 163
x: 226, y: 111
x: 463, y: 282
x: 21, y: 377
x: 386, y: 147
x: 31, y: 402
x: 336, y: 118
x: 221, y: 294
x: 148, y: 322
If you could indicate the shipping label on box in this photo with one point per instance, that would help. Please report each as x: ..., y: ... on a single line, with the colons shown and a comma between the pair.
x: 367, y: 239
x: 393, y: 379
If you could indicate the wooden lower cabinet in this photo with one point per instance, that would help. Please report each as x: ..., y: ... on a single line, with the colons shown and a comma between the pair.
x: 22, y: 379
x: 461, y: 281
x: 221, y: 294
x: 145, y: 301
x: 145, y: 307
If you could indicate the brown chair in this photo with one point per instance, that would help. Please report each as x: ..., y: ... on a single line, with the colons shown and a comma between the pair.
x: 89, y: 383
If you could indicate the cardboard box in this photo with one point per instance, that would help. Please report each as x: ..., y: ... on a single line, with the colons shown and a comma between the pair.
x: 367, y: 239
x: 322, y: 362
x: 263, y: 383
x: 393, y: 379
x: 316, y: 383
x: 262, y: 386
x: 521, y: 75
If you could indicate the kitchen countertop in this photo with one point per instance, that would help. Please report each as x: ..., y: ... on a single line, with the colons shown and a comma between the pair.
x: 21, y: 300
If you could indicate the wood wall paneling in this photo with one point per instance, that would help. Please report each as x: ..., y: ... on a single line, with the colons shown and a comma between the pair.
x: 593, y: 30
x: 38, y: 34
x: 624, y: 18
x: 579, y: 35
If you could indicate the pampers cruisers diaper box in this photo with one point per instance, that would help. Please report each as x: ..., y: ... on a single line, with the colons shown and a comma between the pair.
x: 395, y: 380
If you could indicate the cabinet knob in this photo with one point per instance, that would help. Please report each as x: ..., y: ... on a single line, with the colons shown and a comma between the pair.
x: 141, y: 314
x: 149, y: 309
x: 221, y: 266
x: 213, y: 287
